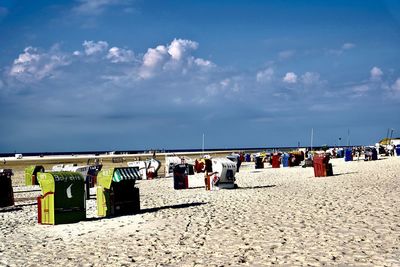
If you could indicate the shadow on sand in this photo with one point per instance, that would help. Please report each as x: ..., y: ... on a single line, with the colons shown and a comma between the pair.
x: 16, y: 207
x: 151, y: 210
x: 11, y: 208
x: 25, y: 205
x: 257, y: 187
x: 335, y: 174
x: 344, y: 173
x: 178, y: 206
x: 197, y: 187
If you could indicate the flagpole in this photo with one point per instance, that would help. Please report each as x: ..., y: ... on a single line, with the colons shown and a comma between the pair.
x: 348, y: 137
x: 202, y: 146
x: 312, y: 138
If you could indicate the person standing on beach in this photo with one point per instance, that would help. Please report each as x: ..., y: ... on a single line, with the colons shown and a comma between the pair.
x: 207, y: 180
x: 208, y: 172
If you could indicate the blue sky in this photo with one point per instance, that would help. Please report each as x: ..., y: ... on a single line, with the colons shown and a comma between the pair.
x: 134, y: 74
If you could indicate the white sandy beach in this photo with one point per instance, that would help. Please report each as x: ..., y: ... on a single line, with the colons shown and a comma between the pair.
x: 280, y: 216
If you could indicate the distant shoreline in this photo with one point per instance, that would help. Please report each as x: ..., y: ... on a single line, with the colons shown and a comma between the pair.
x: 125, y: 152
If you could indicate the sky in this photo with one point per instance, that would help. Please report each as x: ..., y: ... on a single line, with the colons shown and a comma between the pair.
x: 158, y: 74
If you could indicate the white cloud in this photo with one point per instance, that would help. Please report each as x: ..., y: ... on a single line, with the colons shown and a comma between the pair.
x: 92, y: 48
x: 120, y: 55
x: 376, y: 74
x: 265, y: 75
x: 213, y: 89
x: 177, y: 100
x: 236, y: 87
x: 96, y: 67
x: 32, y: 65
x: 290, y: 77
x: 179, y: 48
x: 225, y: 83
x: 361, y: 88
x: 225, y: 87
x: 286, y: 54
x: 152, y: 60
x: 391, y: 89
x: 173, y: 57
x: 203, y: 63
x: 347, y: 46
x: 310, y: 78
x: 396, y: 86
x: 25, y: 61
x: 96, y: 7
x: 155, y: 56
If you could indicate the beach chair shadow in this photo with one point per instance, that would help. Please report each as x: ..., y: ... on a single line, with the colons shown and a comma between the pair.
x: 26, y: 205
x: 256, y: 187
x: 196, y: 187
x: 150, y: 210
x: 178, y: 206
x: 11, y: 208
x: 344, y: 173
x: 335, y: 174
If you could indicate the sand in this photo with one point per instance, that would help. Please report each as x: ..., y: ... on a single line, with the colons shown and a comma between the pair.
x: 280, y: 216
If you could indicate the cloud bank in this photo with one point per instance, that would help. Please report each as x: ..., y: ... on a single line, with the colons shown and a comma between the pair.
x: 168, y: 84
x: 33, y: 65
